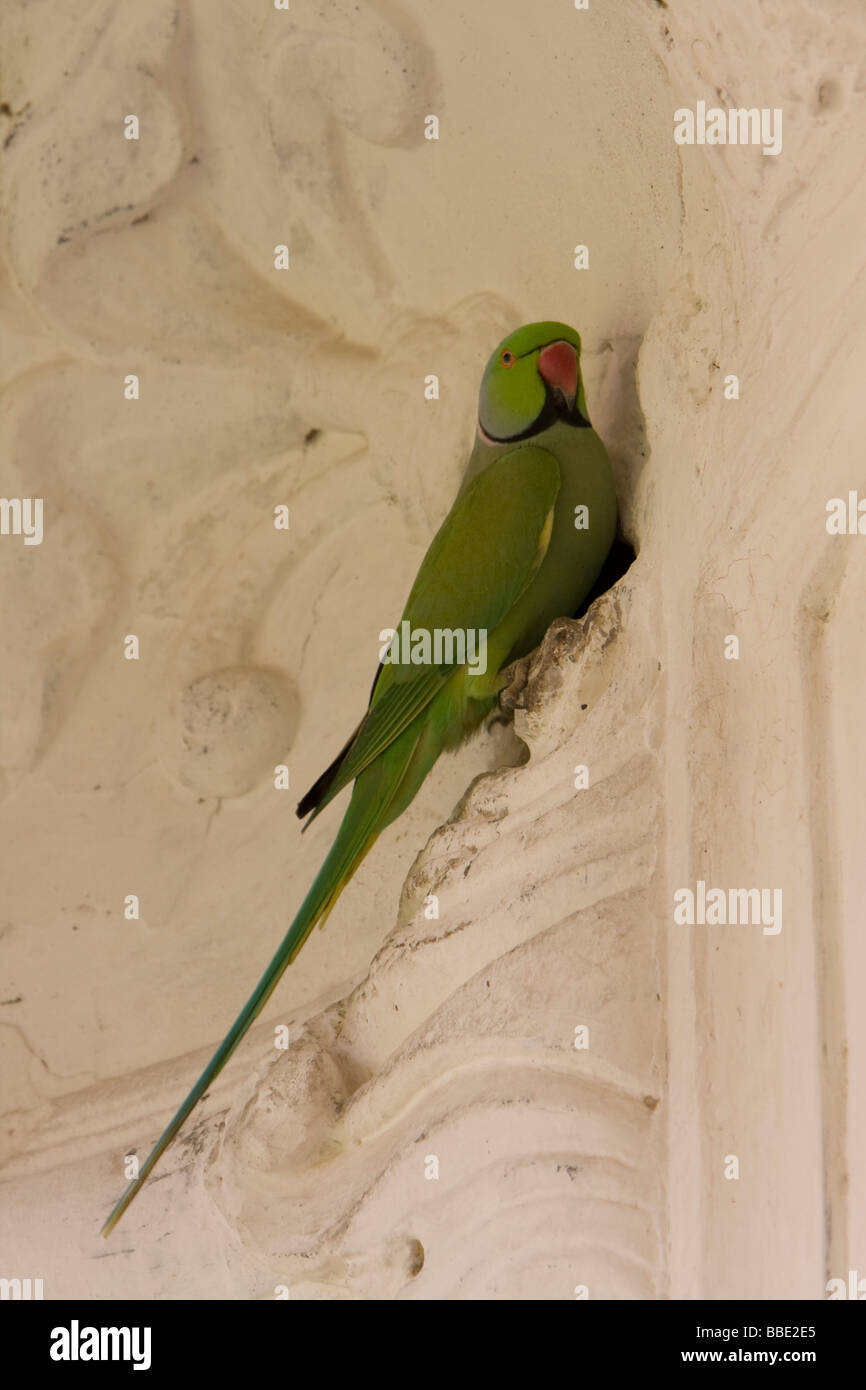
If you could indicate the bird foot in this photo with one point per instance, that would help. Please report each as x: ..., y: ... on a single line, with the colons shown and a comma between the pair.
x: 515, y: 677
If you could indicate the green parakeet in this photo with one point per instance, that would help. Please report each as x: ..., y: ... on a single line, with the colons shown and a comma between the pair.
x: 523, y: 544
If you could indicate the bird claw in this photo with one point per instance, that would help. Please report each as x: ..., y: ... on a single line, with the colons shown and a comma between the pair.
x: 515, y: 677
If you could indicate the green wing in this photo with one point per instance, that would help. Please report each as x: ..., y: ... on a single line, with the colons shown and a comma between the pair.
x: 482, y: 558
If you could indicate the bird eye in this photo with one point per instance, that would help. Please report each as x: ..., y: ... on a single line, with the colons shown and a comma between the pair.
x: 507, y: 358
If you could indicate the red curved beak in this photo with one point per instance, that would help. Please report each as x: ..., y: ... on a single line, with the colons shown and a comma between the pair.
x: 557, y: 363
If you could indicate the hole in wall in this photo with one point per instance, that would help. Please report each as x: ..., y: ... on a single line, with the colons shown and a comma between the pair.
x: 620, y: 559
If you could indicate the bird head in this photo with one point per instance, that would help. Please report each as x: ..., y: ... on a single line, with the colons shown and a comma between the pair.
x: 532, y: 380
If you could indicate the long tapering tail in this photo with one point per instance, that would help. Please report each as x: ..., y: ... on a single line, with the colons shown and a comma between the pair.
x: 375, y: 802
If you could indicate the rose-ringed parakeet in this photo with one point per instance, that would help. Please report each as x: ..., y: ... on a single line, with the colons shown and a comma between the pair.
x: 523, y: 544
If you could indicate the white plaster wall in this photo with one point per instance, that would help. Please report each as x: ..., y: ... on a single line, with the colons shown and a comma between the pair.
x: 411, y: 1037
